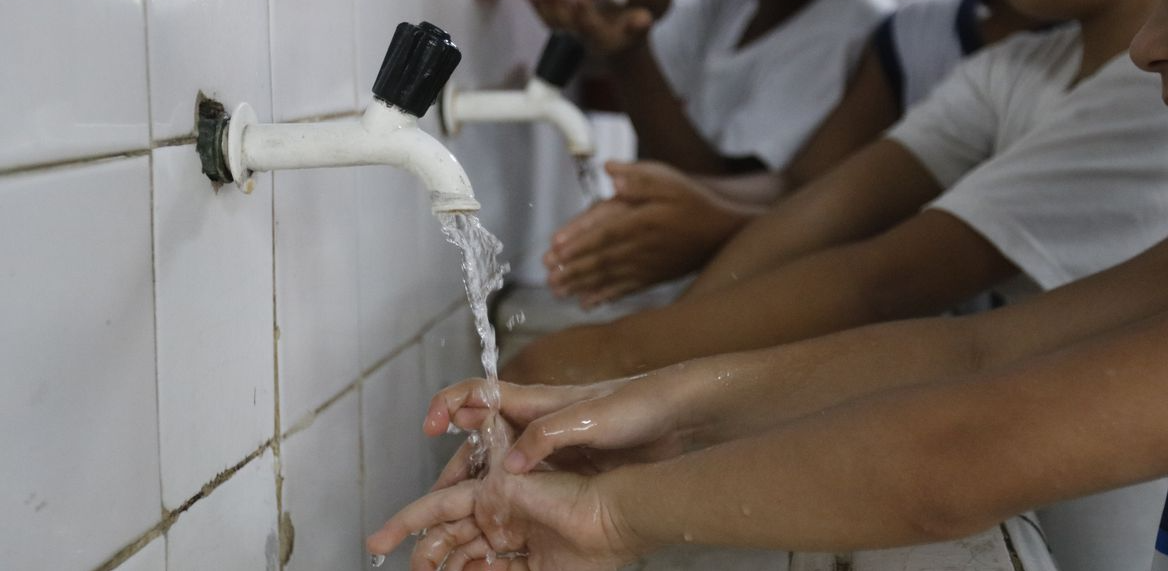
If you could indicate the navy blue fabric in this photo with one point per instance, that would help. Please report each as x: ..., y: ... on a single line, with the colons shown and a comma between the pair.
x: 885, y: 45
x: 967, y: 29
x: 1162, y: 537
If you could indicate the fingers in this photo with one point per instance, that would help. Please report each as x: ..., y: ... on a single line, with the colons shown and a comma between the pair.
x: 587, y: 232
x: 613, y: 292
x: 519, y: 564
x: 474, y: 550
x: 598, y: 271
x: 645, y: 181
x: 456, y: 470
x: 574, y: 426
x: 448, y: 505
x: 447, y: 402
x: 440, y: 542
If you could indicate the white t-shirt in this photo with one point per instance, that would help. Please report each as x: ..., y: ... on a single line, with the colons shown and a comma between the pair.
x: 1065, y: 183
x: 768, y: 98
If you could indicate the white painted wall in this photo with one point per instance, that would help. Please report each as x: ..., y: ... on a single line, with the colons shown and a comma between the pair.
x: 179, y: 367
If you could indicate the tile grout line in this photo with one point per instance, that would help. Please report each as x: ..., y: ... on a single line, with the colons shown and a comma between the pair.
x: 71, y: 162
x: 306, y: 421
x: 284, y: 540
x: 171, y: 517
x: 83, y: 160
x: 154, y: 281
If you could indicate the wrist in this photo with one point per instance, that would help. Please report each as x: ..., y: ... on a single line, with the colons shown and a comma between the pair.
x: 630, y: 510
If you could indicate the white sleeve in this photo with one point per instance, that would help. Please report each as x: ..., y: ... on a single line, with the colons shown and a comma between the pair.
x: 678, y: 43
x: 1084, y: 191
x: 954, y: 129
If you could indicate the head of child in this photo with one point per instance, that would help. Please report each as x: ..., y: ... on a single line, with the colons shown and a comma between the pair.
x: 1150, y: 47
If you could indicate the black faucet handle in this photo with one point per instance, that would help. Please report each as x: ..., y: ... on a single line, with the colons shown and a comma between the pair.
x: 417, y: 65
x: 561, y: 58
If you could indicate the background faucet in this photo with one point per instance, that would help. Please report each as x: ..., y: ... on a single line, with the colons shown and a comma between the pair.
x: 417, y: 65
x: 541, y: 100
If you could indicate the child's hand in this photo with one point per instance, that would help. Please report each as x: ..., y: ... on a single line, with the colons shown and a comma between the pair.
x: 580, y: 429
x: 545, y: 521
x: 606, y: 28
x: 659, y: 227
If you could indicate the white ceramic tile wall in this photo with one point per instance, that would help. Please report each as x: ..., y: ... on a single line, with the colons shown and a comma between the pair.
x: 217, y: 46
x: 77, y: 412
x: 213, y: 257
x: 61, y: 97
x: 316, y: 287
x: 322, y: 494
x: 450, y: 353
x: 408, y: 273
x: 151, y: 558
x: 397, y: 464
x: 233, y: 528
x: 151, y: 416
x: 313, y: 58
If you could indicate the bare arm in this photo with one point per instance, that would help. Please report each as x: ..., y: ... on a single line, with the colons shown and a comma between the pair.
x: 923, y: 464
x: 732, y: 396
x: 874, y: 189
x: 664, y: 131
x: 868, y: 108
x: 923, y: 266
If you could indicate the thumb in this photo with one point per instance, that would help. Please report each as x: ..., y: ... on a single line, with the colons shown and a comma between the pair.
x: 573, y: 426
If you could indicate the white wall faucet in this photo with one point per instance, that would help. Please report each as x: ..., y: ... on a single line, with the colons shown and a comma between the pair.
x: 541, y: 100
x: 417, y: 65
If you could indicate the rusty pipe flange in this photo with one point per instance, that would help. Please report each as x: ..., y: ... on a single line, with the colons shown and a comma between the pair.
x: 213, y: 122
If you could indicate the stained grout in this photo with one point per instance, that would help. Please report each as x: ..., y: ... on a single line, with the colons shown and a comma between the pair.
x: 143, y: 151
x: 68, y: 163
x: 170, y: 517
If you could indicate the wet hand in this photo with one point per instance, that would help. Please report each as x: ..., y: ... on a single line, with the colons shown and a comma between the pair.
x: 604, y: 27
x: 544, y: 521
x: 584, y: 430
x: 659, y: 226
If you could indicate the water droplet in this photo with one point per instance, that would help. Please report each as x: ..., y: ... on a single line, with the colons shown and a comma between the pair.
x: 516, y: 320
x: 745, y: 510
x: 377, y: 560
x: 734, y: 276
x: 688, y: 537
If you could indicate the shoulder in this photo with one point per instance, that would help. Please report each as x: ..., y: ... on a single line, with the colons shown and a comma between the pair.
x: 1042, y: 50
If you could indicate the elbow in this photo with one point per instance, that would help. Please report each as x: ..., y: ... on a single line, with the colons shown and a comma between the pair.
x: 941, y: 486
x: 938, y: 516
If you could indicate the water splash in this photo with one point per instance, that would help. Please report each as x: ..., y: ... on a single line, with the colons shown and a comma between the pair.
x: 587, y: 172
x: 482, y: 276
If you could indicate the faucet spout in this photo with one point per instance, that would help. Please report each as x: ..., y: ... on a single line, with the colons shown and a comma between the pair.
x: 385, y: 135
x: 540, y: 101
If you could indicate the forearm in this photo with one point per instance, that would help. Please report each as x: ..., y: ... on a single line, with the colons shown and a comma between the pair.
x: 870, y: 192
x: 921, y: 268
x: 923, y: 464
x: 738, y: 395
x: 759, y: 390
x: 664, y: 131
